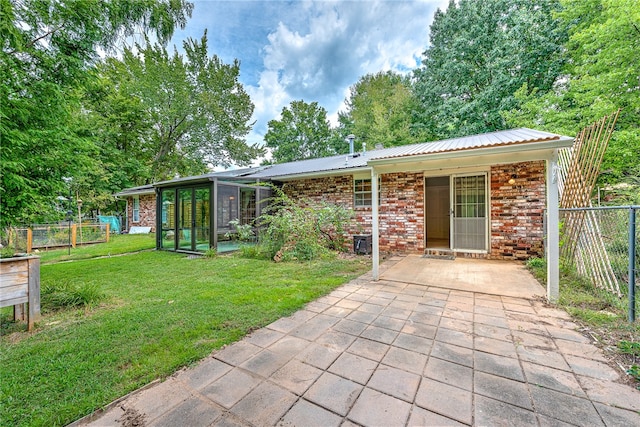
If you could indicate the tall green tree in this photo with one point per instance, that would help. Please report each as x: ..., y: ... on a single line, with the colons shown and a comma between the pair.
x: 47, y: 49
x: 303, y: 132
x: 379, y: 111
x: 185, y: 113
x: 120, y: 127
x: 602, y: 75
x: 480, y: 54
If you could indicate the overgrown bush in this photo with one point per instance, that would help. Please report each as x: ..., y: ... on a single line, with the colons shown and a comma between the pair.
x: 301, y: 230
x: 60, y: 295
x: 242, y: 233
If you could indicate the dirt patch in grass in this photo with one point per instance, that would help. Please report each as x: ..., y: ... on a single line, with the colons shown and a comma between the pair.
x: 131, y: 418
x: 607, y: 338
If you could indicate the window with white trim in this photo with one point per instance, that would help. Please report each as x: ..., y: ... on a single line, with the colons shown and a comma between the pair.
x: 362, y: 192
x: 136, y: 209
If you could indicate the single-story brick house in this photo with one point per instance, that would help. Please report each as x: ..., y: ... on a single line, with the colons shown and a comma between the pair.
x: 141, y: 207
x: 478, y: 196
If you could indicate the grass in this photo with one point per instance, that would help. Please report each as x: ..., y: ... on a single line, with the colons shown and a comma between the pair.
x: 118, y: 244
x: 603, y: 315
x: 156, y: 313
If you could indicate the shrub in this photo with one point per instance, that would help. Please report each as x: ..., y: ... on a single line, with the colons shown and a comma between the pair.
x: 329, y: 222
x: 243, y: 233
x: 301, y: 230
x: 252, y: 251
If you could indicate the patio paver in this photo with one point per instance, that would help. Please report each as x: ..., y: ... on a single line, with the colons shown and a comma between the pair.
x: 398, y: 353
x: 375, y: 408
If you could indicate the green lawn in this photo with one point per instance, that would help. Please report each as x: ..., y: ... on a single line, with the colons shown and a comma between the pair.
x: 160, y: 311
x: 118, y: 244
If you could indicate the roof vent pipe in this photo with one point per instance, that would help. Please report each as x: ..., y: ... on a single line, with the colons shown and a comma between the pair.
x: 364, y: 148
x: 350, y: 138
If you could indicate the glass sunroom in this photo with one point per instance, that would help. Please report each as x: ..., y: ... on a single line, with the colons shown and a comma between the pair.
x: 195, y: 215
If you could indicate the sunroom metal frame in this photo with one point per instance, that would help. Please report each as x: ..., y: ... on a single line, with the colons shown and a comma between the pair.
x: 213, y: 184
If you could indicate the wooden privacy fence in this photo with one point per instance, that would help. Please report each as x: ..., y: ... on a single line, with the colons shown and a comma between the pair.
x: 46, y: 236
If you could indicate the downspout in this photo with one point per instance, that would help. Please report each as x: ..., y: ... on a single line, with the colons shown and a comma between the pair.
x: 375, y: 232
x: 553, y: 229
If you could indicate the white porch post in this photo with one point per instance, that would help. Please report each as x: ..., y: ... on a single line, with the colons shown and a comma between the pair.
x: 553, y: 229
x: 375, y: 232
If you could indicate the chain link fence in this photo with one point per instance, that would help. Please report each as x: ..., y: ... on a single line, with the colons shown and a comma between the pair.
x: 602, y: 244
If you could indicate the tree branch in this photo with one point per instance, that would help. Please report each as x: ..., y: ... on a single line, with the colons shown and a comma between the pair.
x: 37, y: 39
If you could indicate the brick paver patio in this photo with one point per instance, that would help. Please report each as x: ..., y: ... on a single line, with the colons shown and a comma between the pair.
x: 392, y: 353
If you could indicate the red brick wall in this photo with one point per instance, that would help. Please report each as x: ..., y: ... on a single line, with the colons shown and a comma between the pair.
x: 517, y: 211
x: 333, y: 189
x: 402, y: 213
x: 401, y: 208
x: 147, y: 212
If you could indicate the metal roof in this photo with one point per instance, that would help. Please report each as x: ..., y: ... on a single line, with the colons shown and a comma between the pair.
x: 492, y: 139
x: 323, y: 164
x: 521, y: 136
x: 134, y: 191
x: 231, y: 174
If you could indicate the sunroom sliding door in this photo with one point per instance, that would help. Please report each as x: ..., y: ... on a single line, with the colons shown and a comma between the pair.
x: 167, y: 239
x: 186, y: 219
x: 202, y: 219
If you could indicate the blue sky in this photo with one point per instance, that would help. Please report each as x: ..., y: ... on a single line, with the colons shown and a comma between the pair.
x: 310, y: 50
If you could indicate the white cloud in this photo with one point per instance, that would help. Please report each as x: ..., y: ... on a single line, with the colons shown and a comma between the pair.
x: 319, y: 57
x: 311, y: 50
